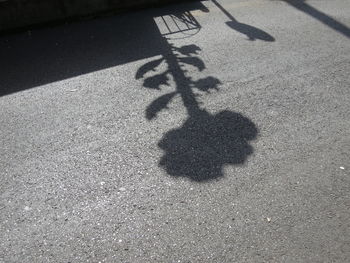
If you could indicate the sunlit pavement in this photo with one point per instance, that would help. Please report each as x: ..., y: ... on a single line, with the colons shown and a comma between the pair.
x: 213, y: 131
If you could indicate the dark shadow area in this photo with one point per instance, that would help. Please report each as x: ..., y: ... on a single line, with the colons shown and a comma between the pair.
x: 205, y: 142
x: 44, y: 56
x: 322, y: 17
x: 251, y: 32
x: 201, y: 147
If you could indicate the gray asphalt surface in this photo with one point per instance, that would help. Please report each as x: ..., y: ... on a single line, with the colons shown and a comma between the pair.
x: 200, y: 132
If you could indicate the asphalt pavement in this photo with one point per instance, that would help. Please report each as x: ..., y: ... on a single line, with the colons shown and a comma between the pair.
x: 214, y: 131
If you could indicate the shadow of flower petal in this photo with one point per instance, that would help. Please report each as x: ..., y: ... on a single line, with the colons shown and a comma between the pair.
x: 205, y: 143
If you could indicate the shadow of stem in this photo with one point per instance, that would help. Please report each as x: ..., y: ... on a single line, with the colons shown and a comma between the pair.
x: 205, y: 142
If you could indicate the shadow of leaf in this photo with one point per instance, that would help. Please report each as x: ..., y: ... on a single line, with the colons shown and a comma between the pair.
x: 156, y: 81
x: 148, y: 67
x: 188, y: 50
x: 206, y: 84
x: 159, y: 104
x: 194, y: 61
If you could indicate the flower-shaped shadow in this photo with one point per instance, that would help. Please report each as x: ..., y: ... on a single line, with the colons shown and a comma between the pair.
x: 205, y: 142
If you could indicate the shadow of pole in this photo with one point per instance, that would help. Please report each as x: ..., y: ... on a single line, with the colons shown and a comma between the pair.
x: 302, y: 6
x: 251, y: 32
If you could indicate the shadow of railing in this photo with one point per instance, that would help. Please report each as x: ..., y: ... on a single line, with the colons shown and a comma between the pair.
x: 183, y: 22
